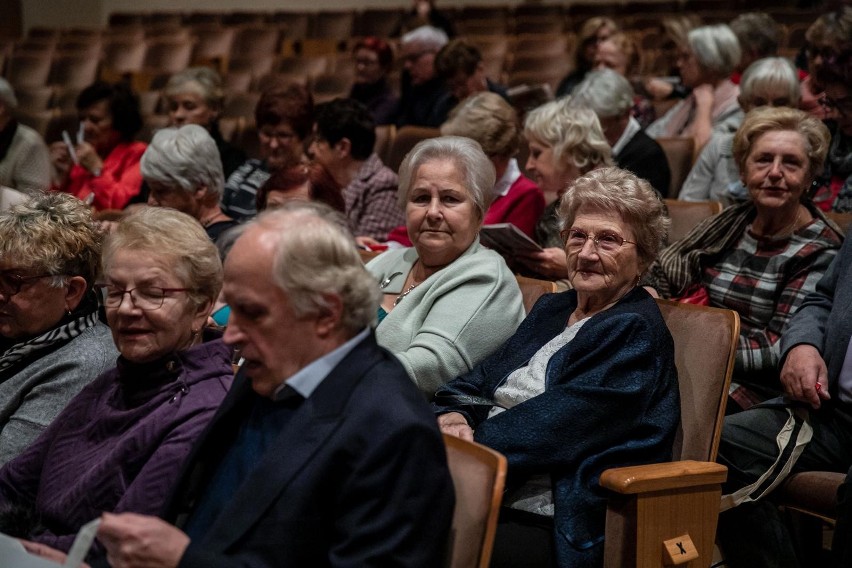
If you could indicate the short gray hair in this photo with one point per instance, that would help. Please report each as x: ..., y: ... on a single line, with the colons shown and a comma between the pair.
x: 185, y: 157
x: 757, y: 33
x: 573, y: 133
x: 315, y: 257
x: 176, y: 237
x: 202, y: 81
x: 477, y: 171
x: 7, y: 94
x: 775, y: 73
x: 427, y: 37
x: 619, y: 191
x: 487, y: 118
x: 715, y: 48
x: 605, y: 92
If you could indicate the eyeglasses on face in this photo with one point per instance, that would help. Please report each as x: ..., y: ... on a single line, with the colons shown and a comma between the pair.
x: 143, y: 297
x: 11, y: 281
x: 843, y: 106
x: 281, y: 136
x: 606, y: 241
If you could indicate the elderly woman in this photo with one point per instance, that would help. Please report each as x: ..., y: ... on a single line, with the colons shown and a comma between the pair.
x: 492, y: 122
x: 828, y: 36
x: 119, y: 444
x: 284, y: 118
x: 592, y: 33
x: 715, y: 176
x: 760, y: 258
x: 52, y: 342
x: 309, y: 182
x: 196, y: 96
x: 565, y: 143
x: 373, y: 62
x: 705, y: 62
x: 546, y: 399
x: 182, y: 171
x: 104, y: 167
x: 447, y: 302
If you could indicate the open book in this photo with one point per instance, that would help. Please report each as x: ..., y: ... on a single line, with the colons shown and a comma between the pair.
x: 507, y: 239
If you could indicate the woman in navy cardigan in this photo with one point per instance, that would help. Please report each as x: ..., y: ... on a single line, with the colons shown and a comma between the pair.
x: 588, y: 382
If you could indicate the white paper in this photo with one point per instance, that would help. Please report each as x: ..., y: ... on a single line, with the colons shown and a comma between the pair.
x: 14, y: 555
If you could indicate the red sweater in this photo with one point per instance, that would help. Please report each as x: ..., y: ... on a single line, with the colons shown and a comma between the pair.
x: 522, y: 206
x: 119, y: 181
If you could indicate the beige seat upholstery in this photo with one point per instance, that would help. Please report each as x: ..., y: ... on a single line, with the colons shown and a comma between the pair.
x: 407, y: 138
x: 679, y: 500
x: 479, y: 474
x: 685, y: 215
x: 532, y: 289
x: 679, y: 152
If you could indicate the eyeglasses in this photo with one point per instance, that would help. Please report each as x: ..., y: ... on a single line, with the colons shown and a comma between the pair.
x: 575, y: 239
x: 143, y: 297
x: 282, y: 137
x: 822, y: 51
x: 843, y: 106
x: 11, y: 283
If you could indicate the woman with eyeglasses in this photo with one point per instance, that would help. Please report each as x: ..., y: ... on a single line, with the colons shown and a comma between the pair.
x: 119, y: 444
x: 51, y: 342
x: 373, y: 62
x: 762, y: 257
x: 587, y: 382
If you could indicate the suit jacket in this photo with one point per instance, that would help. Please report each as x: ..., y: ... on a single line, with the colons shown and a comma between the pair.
x: 611, y: 399
x: 357, y: 477
x: 823, y: 318
x: 643, y: 156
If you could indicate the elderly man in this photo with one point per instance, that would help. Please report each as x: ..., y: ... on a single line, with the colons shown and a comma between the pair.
x: 24, y: 158
x: 344, y: 136
x: 422, y: 89
x: 460, y: 64
x: 183, y: 171
x: 324, y: 453
x: 810, y: 429
x: 610, y: 95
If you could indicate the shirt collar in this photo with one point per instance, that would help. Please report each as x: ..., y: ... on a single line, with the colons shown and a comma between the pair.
x: 630, y: 131
x: 309, y: 377
x: 510, y: 176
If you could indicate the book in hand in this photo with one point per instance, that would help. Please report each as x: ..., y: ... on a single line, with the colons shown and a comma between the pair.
x: 507, y: 239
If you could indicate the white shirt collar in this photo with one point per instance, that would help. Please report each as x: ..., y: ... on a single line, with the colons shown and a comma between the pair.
x: 510, y: 176
x: 630, y: 131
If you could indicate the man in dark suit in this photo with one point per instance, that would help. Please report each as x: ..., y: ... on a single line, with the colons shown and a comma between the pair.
x: 324, y: 453
x: 611, y: 97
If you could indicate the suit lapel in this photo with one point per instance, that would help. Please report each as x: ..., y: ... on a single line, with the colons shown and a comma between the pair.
x: 314, y: 421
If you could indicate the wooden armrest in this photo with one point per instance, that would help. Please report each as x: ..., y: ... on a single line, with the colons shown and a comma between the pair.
x: 662, y: 476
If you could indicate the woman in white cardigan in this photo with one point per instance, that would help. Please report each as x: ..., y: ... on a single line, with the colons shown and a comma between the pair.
x: 448, y: 302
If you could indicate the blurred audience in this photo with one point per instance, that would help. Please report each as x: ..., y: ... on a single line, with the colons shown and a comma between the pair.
x: 102, y: 168
x: 492, y: 122
x: 448, y: 302
x: 759, y: 37
x: 828, y: 36
x: 24, y: 159
x: 373, y: 62
x: 51, y: 340
x: 588, y: 382
x: 422, y: 89
x: 592, y: 33
x: 460, y: 64
x: 834, y: 188
x: 308, y: 182
x: 284, y: 116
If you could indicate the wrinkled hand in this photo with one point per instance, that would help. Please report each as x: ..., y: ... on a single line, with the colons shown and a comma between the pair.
x: 803, y: 369
x: 88, y: 157
x: 38, y: 549
x: 140, y: 541
x: 454, y: 424
x: 550, y: 263
x: 60, y: 157
x: 703, y: 96
x: 658, y: 89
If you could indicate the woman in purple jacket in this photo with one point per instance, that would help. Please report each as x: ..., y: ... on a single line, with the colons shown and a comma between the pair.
x: 119, y: 444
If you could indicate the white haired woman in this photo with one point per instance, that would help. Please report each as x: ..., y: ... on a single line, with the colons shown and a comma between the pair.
x: 760, y: 258
x: 195, y: 96
x: 447, y: 302
x: 493, y: 123
x: 716, y: 176
x: 705, y: 62
x: 587, y: 382
x: 182, y: 170
x: 120, y: 443
x: 51, y: 342
x: 565, y: 143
